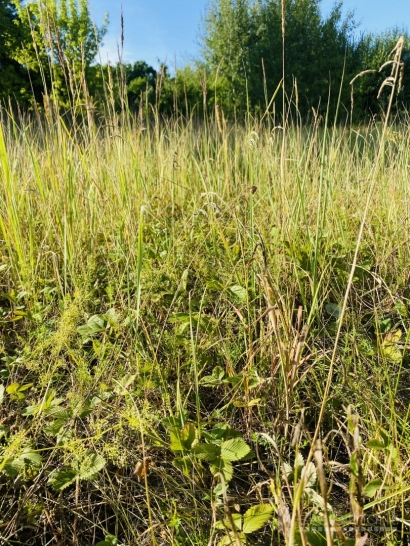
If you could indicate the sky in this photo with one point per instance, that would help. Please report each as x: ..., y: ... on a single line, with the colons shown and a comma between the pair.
x: 167, y: 30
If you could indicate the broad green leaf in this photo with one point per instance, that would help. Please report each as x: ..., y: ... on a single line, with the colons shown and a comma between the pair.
x: 16, y: 391
x: 90, y: 466
x: 334, y: 310
x: 57, y: 412
x: 124, y: 383
x: 13, y: 467
x: 234, y: 449
x: 54, y: 427
x: 175, y: 440
x: 188, y: 435
x: 215, y: 285
x: 234, y: 380
x: 226, y: 524
x: 393, y: 337
x: 221, y: 432
x: 218, y: 372
x: 208, y: 452
x: 61, y: 479
x: 217, y: 376
x: 32, y: 457
x: 223, y: 467
x: 392, y: 352
x: 385, y: 437
x: 218, y: 490
x: 385, y: 325
x: 256, y: 517
x: 28, y: 458
x: 184, y: 464
x: 230, y: 540
x: 183, y: 439
x: 376, y: 444
x: 372, y: 487
x: 240, y: 292
x: 14, y: 388
x: 94, y: 325
x: 111, y: 317
x: 29, y: 410
x: 25, y: 387
x: 86, y: 470
x: 288, y: 470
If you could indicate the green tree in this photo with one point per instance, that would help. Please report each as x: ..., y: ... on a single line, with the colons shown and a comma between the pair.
x: 375, y: 51
x: 229, y: 39
x: 141, y: 82
x: 244, y: 39
x: 59, y: 34
x: 14, y: 80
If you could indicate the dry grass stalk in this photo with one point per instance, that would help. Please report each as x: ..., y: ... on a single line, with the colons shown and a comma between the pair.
x: 220, y: 119
x: 397, y: 71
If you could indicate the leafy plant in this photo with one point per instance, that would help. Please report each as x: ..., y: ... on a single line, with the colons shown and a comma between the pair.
x: 220, y: 457
x: 218, y: 452
x: 110, y: 540
x: 28, y: 460
x: 17, y: 391
x: 253, y: 520
x: 86, y: 469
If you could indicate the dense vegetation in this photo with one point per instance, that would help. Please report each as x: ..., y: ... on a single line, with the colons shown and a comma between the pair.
x: 49, y: 48
x: 204, y: 315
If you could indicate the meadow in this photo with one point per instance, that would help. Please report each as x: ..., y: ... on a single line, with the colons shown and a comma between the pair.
x: 204, y: 332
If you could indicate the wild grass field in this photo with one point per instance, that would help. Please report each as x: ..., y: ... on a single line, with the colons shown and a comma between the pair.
x: 204, y: 333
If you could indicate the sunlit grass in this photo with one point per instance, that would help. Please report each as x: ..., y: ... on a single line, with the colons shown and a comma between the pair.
x: 177, y: 250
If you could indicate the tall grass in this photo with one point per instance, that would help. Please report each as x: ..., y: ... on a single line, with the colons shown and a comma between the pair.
x: 166, y: 276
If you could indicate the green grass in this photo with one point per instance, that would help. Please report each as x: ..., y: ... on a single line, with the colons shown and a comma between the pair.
x: 165, y: 290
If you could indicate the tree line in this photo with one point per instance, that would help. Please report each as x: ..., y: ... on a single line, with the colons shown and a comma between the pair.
x: 48, y: 52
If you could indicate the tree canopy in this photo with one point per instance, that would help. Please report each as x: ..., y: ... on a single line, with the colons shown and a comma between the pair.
x: 50, y: 47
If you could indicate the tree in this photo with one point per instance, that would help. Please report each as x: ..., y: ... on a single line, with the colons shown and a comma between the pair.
x: 375, y: 50
x: 60, y: 35
x: 14, y: 80
x: 244, y: 39
x: 229, y: 40
x: 141, y: 82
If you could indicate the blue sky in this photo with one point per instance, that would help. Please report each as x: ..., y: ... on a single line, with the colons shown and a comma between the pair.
x: 167, y: 29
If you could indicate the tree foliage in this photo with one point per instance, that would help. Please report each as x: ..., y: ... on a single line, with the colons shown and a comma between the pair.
x: 13, y: 79
x: 375, y: 51
x: 49, y: 47
x: 244, y: 39
x: 141, y: 80
x: 59, y: 35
